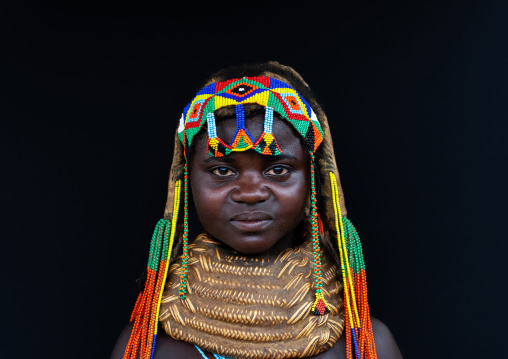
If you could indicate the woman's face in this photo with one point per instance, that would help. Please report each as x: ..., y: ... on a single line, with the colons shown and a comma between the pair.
x: 251, y: 202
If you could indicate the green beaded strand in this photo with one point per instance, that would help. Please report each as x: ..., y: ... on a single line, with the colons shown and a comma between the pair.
x: 315, y: 228
x: 354, y: 246
x: 155, y: 244
x: 185, y: 237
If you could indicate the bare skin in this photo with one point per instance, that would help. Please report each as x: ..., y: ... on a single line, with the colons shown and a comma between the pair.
x: 253, y: 203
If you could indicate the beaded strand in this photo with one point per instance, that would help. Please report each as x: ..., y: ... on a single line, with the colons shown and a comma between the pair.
x: 185, y: 237
x: 360, y: 279
x: 358, y: 324
x: 319, y: 307
x: 145, y: 315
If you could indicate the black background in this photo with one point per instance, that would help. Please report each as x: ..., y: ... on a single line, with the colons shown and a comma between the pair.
x: 91, y: 94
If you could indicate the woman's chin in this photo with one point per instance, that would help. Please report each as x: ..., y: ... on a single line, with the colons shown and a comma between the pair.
x: 257, y: 242
x: 250, y: 245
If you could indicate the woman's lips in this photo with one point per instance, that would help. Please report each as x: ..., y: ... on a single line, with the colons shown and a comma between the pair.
x: 251, y: 221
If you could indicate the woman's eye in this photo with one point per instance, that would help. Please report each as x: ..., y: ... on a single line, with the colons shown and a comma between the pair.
x: 277, y: 171
x: 223, y: 172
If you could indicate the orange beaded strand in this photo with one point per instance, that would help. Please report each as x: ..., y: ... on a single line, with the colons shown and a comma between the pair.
x: 142, y: 340
x: 358, y: 324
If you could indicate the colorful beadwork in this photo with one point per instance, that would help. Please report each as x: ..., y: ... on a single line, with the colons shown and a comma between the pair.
x: 185, y: 235
x: 216, y: 356
x: 266, y: 143
x: 319, y: 307
x: 145, y: 315
x: 273, y: 94
x: 358, y: 325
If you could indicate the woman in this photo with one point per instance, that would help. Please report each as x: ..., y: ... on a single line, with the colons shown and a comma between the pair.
x: 278, y: 272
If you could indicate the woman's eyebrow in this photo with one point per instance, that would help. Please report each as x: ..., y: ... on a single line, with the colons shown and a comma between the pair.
x: 283, y: 156
x: 230, y: 159
x: 225, y: 159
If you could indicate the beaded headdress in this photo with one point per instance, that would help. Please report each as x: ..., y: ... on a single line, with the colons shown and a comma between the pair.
x: 277, y: 96
x: 270, y: 93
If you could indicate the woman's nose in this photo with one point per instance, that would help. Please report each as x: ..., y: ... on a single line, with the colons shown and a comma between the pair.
x: 250, y: 189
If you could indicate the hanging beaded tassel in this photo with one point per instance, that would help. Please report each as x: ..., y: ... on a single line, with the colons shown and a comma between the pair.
x: 358, y: 325
x: 320, y: 307
x: 146, y: 311
x: 185, y: 237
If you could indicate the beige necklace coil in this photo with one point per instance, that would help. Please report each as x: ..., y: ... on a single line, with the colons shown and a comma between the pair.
x: 252, y: 306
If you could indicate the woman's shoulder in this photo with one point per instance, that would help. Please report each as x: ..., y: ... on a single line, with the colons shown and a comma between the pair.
x: 168, y: 348
x: 386, y: 347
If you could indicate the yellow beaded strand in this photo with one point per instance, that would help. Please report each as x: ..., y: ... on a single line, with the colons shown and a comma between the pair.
x: 174, y: 219
x: 336, y: 209
x: 343, y: 241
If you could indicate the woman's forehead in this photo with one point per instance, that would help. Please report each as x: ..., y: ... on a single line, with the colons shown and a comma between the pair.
x: 282, y: 130
x: 288, y: 139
